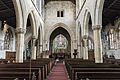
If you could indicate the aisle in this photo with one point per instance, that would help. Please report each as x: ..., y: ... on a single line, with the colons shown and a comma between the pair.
x: 58, y: 72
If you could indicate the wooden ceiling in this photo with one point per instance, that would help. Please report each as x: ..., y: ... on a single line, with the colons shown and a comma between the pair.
x: 73, y: 1
x: 111, y: 11
x: 7, y: 12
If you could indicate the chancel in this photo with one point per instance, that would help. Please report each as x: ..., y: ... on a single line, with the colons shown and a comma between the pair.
x: 59, y: 40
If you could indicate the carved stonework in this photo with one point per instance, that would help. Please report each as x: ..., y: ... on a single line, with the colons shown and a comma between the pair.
x: 34, y: 37
x: 97, y: 27
x: 85, y: 37
x: 20, y: 30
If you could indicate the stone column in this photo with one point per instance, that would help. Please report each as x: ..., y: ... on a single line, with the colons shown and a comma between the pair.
x: 41, y: 48
x: 34, y: 48
x: 98, y: 44
x: 85, y: 46
x: 19, y: 44
x: 79, y: 51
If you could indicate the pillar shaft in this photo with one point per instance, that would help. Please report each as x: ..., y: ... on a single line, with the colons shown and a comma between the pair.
x: 41, y: 48
x: 19, y: 44
x: 85, y: 48
x: 34, y: 55
x: 79, y: 51
x: 98, y: 44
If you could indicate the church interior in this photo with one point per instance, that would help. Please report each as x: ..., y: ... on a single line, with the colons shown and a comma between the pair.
x: 59, y: 39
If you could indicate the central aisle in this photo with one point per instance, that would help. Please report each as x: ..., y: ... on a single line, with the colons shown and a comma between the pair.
x: 58, y: 72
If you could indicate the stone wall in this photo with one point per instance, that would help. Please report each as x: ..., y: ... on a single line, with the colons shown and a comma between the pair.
x: 67, y: 21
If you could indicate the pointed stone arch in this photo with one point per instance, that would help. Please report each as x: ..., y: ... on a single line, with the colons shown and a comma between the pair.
x: 64, y: 26
x: 98, y: 12
x: 86, y: 22
x: 64, y: 32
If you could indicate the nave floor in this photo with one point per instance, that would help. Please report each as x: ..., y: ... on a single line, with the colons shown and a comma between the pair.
x: 58, y: 72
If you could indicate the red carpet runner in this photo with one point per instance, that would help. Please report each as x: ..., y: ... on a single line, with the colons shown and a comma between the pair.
x: 58, y: 72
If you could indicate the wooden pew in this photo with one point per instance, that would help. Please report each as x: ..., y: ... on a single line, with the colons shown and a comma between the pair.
x: 84, y: 69
x: 39, y: 67
x: 20, y: 73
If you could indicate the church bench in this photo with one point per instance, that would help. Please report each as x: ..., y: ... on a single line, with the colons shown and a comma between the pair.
x: 76, y: 70
x: 97, y: 75
x: 48, y: 63
x: 37, y: 71
x: 19, y: 75
x: 20, y: 72
x: 43, y: 64
x: 75, y: 62
x: 83, y: 70
x: 12, y: 78
x: 26, y: 65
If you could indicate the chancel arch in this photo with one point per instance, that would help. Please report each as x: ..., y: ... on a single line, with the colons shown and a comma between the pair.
x: 61, y: 31
x: 64, y: 26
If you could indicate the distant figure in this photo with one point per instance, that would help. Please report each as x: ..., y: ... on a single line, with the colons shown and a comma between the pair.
x: 56, y: 61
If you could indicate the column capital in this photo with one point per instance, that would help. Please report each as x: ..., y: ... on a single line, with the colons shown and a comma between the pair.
x: 20, y: 30
x: 97, y: 27
x: 34, y: 37
x: 85, y: 37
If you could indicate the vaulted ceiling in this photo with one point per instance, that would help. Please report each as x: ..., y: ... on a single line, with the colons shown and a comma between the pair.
x: 111, y: 11
x: 73, y: 1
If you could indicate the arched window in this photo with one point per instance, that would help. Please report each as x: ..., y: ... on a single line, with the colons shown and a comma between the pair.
x: 8, y: 39
x: 110, y: 38
x: 113, y: 38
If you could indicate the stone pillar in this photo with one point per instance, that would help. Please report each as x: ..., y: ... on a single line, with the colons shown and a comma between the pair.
x: 79, y: 51
x: 98, y: 44
x: 85, y: 47
x: 19, y: 44
x: 41, y: 48
x: 34, y: 48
